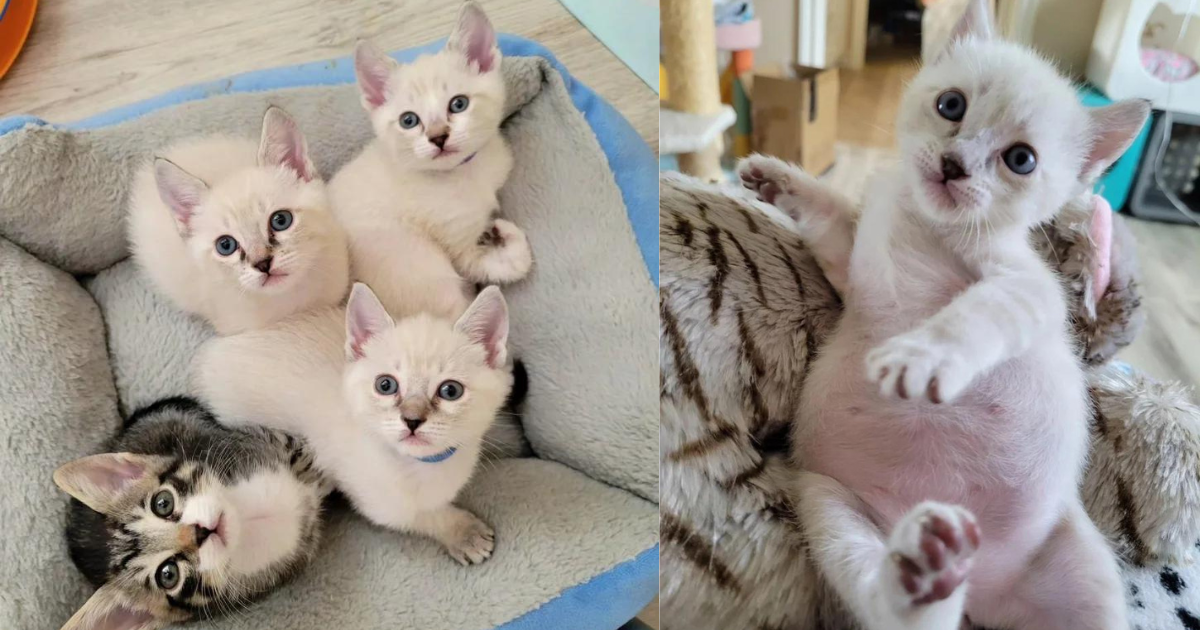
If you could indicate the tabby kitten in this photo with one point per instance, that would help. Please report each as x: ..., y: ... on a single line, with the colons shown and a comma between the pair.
x: 182, y: 518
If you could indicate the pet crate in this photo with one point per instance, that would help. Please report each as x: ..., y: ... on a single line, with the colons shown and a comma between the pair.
x: 1179, y: 171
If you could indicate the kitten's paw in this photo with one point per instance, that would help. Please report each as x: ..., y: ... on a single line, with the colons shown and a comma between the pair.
x: 507, y: 256
x: 931, y: 549
x: 471, y: 541
x: 916, y: 366
x: 774, y: 181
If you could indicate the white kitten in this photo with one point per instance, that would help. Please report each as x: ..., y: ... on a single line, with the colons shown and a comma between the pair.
x: 438, y: 159
x: 395, y: 411
x: 236, y: 232
x: 944, y: 476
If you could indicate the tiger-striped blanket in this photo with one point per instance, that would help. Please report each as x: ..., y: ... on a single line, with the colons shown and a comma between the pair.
x: 744, y: 308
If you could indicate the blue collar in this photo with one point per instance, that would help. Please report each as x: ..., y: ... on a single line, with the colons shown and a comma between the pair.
x: 469, y: 158
x: 438, y: 457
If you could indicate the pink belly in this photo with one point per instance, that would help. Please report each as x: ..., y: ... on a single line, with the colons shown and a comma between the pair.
x: 1010, y: 449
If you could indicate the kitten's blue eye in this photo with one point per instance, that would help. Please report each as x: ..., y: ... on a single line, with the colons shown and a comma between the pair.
x: 1020, y: 159
x: 281, y: 220
x: 167, y: 575
x: 163, y: 504
x: 450, y: 390
x: 226, y: 245
x: 386, y: 385
x: 408, y: 120
x: 952, y: 105
x: 458, y: 104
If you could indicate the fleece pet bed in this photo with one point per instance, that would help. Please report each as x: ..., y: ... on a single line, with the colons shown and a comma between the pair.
x: 84, y: 340
x: 744, y: 308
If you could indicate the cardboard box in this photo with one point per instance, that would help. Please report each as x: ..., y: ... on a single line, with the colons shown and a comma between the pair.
x: 794, y: 115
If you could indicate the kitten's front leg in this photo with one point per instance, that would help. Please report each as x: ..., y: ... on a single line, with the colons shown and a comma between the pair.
x: 997, y: 318
x: 465, y: 536
x: 916, y: 580
x: 825, y: 219
x: 501, y: 255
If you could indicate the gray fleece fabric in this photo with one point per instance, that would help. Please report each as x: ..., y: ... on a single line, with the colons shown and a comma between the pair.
x: 84, y: 339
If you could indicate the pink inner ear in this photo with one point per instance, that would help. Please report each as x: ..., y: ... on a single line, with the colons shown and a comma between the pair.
x: 113, y: 473
x: 479, y: 50
x: 1101, y: 234
x: 123, y: 618
x: 294, y: 156
x: 373, y: 72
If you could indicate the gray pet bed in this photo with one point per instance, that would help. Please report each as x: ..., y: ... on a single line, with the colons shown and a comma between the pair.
x: 84, y: 340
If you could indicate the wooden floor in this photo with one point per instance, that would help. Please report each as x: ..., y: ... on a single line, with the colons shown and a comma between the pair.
x: 1169, y: 255
x: 87, y: 56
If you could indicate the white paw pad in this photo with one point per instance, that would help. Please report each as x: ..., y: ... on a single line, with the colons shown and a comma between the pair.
x: 473, y: 542
x: 913, y: 366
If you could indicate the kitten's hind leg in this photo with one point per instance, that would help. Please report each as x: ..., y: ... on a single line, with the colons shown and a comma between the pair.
x: 465, y: 536
x: 825, y: 219
x: 913, y: 581
x: 502, y: 255
x: 1072, y: 583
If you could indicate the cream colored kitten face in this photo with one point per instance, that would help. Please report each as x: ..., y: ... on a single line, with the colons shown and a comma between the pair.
x: 425, y: 384
x: 992, y: 135
x: 439, y: 110
x: 262, y: 228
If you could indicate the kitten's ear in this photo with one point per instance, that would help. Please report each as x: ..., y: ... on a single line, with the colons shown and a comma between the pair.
x: 1113, y: 128
x: 365, y: 318
x: 180, y: 190
x: 475, y: 38
x: 99, y: 481
x: 976, y: 21
x: 485, y: 322
x: 106, y: 609
x: 373, y: 68
x: 282, y: 144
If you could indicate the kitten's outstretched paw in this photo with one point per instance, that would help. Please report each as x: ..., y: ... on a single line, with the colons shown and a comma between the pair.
x: 471, y: 541
x: 930, y: 554
x: 507, y: 256
x: 916, y: 366
x: 773, y: 181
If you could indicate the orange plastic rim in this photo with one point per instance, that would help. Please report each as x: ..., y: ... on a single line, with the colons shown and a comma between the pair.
x: 14, y: 28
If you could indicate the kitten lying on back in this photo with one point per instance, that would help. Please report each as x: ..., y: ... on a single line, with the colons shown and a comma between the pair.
x: 438, y: 159
x: 395, y: 411
x: 236, y: 232
x: 944, y: 424
x: 185, y: 519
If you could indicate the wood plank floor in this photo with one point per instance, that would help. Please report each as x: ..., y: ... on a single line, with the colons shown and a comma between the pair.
x: 87, y: 56
x: 1169, y: 346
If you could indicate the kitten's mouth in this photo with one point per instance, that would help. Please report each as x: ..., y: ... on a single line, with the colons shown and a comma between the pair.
x: 273, y: 279
x: 445, y: 152
x: 412, y: 439
x: 942, y: 193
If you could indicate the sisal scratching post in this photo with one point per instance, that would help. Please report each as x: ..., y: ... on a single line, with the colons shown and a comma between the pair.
x: 690, y: 55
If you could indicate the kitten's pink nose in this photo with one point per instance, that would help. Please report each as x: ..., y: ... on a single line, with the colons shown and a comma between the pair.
x: 951, y: 168
x: 440, y: 141
x: 264, y: 265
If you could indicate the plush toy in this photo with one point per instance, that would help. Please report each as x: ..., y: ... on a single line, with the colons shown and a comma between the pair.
x: 743, y: 307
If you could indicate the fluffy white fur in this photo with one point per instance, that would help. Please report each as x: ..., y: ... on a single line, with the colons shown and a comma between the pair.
x: 212, y: 187
x: 446, y: 193
x: 945, y: 422
x: 316, y: 375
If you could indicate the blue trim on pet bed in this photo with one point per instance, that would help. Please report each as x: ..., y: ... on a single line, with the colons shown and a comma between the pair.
x: 605, y: 602
x: 630, y: 158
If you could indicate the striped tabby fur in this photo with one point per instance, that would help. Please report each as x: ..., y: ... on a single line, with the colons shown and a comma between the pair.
x: 743, y: 308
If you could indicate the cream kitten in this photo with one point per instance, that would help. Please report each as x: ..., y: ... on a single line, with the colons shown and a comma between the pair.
x: 395, y: 411
x: 944, y: 425
x: 236, y: 232
x: 438, y: 159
